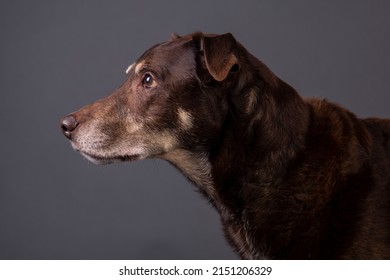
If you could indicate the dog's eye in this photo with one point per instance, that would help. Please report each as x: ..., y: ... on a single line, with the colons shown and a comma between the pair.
x: 148, y: 81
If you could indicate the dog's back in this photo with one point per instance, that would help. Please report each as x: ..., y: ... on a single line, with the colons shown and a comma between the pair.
x: 348, y: 160
x: 380, y: 131
x: 335, y: 191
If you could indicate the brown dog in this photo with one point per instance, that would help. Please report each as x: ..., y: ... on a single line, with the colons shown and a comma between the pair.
x: 290, y: 178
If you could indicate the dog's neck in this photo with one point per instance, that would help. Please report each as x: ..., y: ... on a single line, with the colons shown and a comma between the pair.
x: 196, y: 167
x: 265, y: 136
x: 247, y: 141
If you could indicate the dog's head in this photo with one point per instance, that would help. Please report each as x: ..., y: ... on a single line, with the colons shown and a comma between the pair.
x: 174, y: 97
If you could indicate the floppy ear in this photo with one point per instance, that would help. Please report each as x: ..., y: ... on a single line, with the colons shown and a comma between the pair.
x: 220, y: 54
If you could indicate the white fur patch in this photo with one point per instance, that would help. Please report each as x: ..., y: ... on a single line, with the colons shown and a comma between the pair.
x: 139, y: 66
x: 252, y: 101
x: 185, y: 118
x: 129, y: 68
x: 168, y: 141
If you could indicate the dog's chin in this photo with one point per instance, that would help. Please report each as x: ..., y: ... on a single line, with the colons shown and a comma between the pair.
x: 101, y: 160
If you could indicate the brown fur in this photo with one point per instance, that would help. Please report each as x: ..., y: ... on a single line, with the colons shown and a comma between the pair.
x: 290, y: 178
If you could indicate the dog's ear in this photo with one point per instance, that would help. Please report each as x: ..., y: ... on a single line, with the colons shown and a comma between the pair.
x: 220, y: 54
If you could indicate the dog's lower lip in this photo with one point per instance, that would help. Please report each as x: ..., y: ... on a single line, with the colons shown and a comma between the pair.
x: 111, y: 158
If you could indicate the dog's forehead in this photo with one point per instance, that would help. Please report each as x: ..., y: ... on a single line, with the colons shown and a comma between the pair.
x: 167, y: 50
x: 167, y: 55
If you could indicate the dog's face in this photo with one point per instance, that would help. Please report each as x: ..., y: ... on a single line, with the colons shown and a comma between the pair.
x: 163, y: 105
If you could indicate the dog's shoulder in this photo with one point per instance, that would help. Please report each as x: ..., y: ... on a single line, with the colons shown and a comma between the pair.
x: 338, y: 130
x: 379, y: 127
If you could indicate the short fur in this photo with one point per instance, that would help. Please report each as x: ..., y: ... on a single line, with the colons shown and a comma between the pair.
x: 290, y: 178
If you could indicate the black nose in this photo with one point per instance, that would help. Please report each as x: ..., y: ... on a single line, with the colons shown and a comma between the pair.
x: 68, y: 124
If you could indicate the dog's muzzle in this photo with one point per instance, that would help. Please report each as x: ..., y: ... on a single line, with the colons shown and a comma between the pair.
x: 68, y: 125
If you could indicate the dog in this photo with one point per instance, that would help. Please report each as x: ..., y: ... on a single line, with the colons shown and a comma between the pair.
x: 291, y: 178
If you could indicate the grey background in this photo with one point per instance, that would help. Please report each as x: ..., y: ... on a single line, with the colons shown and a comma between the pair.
x: 56, y: 56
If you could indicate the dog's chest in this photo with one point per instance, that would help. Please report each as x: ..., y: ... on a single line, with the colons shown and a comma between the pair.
x: 197, y: 168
